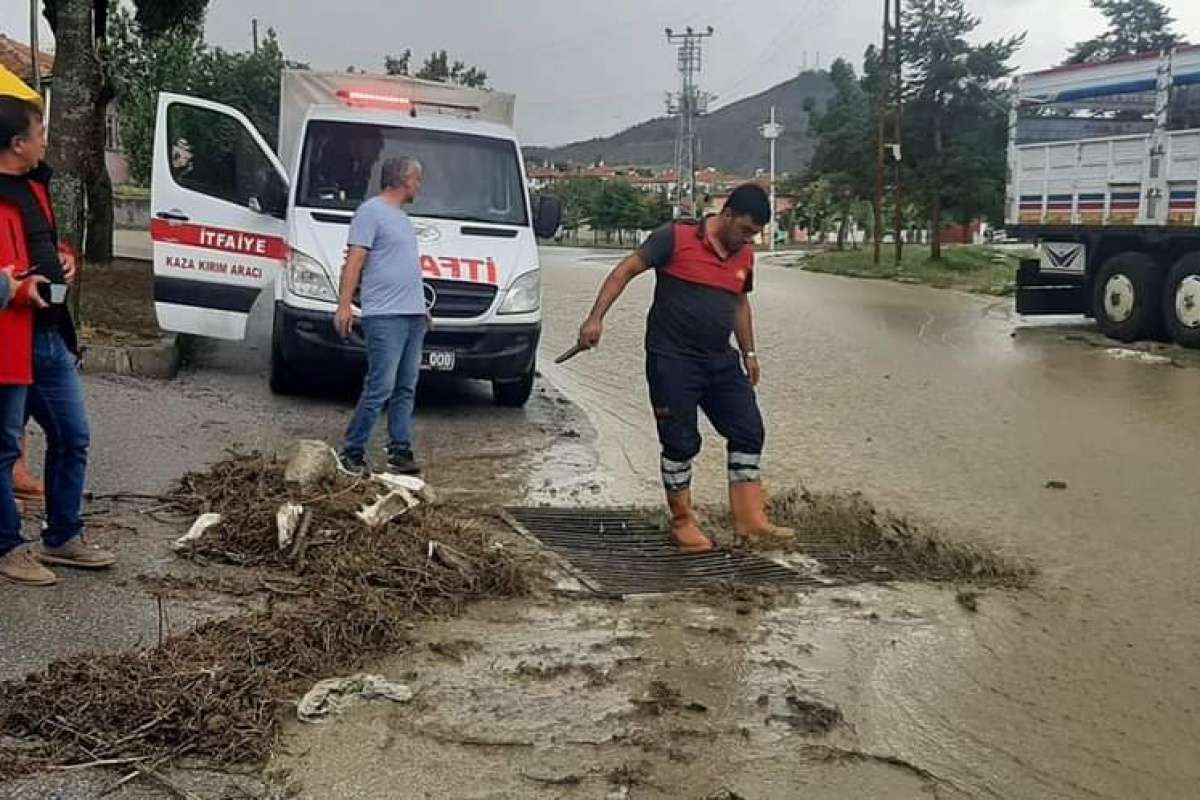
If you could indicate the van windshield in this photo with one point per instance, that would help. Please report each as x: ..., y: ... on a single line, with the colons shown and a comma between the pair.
x: 470, y: 178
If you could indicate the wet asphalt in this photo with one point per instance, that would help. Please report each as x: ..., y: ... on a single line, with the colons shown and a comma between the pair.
x: 935, y: 404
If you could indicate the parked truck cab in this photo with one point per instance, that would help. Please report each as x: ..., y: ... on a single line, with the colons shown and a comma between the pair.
x: 231, y: 219
x: 1104, y: 170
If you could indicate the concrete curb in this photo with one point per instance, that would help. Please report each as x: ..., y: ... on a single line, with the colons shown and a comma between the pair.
x: 159, y: 361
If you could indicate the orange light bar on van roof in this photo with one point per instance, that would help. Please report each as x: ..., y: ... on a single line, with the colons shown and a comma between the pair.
x: 363, y: 99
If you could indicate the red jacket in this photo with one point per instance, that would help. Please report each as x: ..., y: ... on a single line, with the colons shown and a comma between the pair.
x: 16, y: 320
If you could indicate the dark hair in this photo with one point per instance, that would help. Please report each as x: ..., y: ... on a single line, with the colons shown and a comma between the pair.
x: 16, y: 115
x: 749, y: 198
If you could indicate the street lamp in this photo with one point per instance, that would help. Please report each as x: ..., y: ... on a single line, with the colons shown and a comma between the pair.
x: 771, y: 132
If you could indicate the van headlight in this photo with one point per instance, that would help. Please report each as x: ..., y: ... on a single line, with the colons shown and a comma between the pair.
x: 525, y: 294
x: 307, y: 278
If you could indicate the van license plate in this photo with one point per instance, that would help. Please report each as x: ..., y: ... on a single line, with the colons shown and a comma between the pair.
x: 438, y: 360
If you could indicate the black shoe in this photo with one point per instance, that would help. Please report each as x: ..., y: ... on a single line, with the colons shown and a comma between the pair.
x: 353, y: 464
x: 401, y: 462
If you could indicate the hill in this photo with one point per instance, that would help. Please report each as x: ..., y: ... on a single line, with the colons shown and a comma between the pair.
x: 729, y: 138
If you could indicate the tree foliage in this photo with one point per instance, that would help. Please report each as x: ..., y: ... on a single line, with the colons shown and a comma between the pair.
x: 1134, y: 26
x: 437, y: 67
x: 177, y: 60
x: 955, y: 113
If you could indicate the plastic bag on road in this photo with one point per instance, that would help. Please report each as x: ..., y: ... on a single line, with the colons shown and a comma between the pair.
x: 332, y: 696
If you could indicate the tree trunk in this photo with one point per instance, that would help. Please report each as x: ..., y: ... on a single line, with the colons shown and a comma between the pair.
x: 99, y: 245
x: 935, y: 211
x: 74, y: 98
x: 841, y: 234
x: 935, y: 225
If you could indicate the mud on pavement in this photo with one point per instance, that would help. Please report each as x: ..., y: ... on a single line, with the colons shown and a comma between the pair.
x: 720, y: 694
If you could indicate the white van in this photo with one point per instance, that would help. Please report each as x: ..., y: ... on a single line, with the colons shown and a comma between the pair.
x: 230, y: 218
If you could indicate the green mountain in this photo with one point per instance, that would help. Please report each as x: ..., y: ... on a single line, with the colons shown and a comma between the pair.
x: 729, y: 137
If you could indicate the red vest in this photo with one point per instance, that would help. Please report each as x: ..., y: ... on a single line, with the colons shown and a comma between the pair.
x: 16, y: 320
x: 695, y: 261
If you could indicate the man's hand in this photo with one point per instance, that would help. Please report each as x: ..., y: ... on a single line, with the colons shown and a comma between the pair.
x: 343, y: 320
x: 13, y: 284
x: 590, y: 333
x: 753, y: 370
x: 70, y: 267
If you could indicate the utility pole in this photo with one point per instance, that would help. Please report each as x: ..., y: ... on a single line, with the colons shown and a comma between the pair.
x: 254, y: 33
x: 33, y: 46
x: 688, y: 104
x: 881, y: 111
x: 898, y: 129
x: 771, y: 132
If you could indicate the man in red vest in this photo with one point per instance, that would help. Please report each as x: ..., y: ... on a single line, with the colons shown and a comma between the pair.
x: 39, y: 360
x: 705, y: 273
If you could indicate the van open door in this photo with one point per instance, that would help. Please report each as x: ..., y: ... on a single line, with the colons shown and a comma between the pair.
x: 218, y: 205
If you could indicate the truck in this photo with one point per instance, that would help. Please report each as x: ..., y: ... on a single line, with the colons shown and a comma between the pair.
x: 233, y: 219
x: 1103, y: 176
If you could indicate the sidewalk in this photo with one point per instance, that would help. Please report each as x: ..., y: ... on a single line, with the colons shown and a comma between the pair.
x: 133, y: 244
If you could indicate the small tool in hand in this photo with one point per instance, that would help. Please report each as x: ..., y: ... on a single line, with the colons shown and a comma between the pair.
x: 567, y: 356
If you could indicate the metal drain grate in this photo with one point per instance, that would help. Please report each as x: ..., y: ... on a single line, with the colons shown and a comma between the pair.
x: 621, y: 552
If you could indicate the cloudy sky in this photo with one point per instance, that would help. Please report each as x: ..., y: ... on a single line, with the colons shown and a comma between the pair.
x: 586, y: 69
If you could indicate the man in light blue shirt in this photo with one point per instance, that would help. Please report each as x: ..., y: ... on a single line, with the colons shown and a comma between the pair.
x: 382, y: 252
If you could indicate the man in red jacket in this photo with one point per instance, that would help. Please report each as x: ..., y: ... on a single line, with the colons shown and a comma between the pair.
x: 38, y: 362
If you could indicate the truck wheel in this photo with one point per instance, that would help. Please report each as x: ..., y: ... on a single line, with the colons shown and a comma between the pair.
x: 283, y: 378
x: 1181, y: 301
x: 1126, y: 297
x: 514, y: 394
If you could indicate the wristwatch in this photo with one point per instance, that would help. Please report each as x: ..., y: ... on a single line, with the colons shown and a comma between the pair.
x: 749, y: 354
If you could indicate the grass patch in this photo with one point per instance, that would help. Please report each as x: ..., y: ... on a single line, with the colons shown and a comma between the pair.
x: 973, y: 268
x: 116, y: 304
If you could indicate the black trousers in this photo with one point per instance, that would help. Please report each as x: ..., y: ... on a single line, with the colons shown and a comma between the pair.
x: 679, y: 389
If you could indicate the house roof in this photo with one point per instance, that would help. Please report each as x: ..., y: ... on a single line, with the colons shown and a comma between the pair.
x: 17, y: 58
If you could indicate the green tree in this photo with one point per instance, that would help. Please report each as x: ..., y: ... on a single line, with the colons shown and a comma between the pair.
x: 578, y: 199
x: 955, y: 112
x: 437, y: 67
x: 397, y: 65
x: 1134, y: 26
x: 82, y: 89
x: 616, y: 207
x: 844, y: 132
x: 177, y: 60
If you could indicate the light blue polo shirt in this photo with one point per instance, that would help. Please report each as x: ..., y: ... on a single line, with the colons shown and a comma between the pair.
x: 391, y: 279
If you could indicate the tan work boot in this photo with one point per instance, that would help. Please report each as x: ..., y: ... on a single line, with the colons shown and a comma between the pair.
x: 25, y: 486
x: 685, y: 533
x: 19, y: 566
x: 76, y: 553
x: 750, y: 522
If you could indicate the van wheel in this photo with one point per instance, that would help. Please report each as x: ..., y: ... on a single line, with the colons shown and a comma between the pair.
x: 514, y: 394
x: 1126, y: 300
x: 1181, y: 301
x: 283, y: 378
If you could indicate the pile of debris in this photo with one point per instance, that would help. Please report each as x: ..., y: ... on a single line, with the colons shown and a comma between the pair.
x: 853, y: 541
x: 361, y: 558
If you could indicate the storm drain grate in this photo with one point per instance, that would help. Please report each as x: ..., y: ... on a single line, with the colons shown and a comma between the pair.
x: 620, y: 551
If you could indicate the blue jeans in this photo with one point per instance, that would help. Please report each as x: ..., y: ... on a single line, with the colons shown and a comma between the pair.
x: 55, y: 401
x: 12, y: 423
x: 394, y: 344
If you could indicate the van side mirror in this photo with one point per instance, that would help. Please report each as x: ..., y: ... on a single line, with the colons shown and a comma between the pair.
x: 547, y: 216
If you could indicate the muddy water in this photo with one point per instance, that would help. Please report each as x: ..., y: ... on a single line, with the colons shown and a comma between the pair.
x: 947, y: 407
x: 557, y: 700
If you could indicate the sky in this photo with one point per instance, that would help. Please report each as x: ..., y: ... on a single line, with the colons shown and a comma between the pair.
x: 591, y: 69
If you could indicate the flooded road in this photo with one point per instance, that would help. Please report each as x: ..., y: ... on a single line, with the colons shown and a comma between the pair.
x: 947, y: 407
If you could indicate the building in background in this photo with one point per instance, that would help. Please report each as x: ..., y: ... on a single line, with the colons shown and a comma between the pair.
x: 17, y: 57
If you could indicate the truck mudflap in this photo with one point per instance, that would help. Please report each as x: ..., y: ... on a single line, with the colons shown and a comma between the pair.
x: 1043, y: 293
